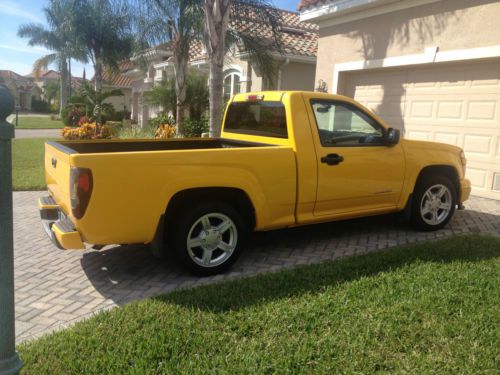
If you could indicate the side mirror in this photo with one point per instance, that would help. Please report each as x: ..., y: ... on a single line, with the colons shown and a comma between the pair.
x: 392, y: 136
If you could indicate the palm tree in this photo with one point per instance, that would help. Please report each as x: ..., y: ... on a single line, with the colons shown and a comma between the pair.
x: 196, y: 101
x: 219, y: 14
x: 93, y: 99
x: 57, y: 37
x: 178, y: 23
x: 103, y: 30
x: 163, y: 94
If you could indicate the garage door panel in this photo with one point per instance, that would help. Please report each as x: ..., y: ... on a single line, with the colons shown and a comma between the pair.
x: 448, y: 138
x: 478, y: 177
x: 483, y: 110
x: 453, y: 104
x: 449, y: 110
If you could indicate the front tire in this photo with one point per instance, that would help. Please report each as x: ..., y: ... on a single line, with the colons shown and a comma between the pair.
x: 209, y: 238
x: 434, y: 203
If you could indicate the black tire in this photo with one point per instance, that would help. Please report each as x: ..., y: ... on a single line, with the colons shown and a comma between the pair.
x: 189, y: 224
x: 430, y: 221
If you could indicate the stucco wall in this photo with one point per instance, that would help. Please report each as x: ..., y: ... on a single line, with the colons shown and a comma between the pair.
x: 447, y: 24
x: 119, y: 101
x: 298, y: 76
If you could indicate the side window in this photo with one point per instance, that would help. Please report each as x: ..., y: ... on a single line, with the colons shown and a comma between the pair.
x: 342, y: 124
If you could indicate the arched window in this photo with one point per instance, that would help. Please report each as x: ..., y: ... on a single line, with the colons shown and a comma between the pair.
x: 231, y: 83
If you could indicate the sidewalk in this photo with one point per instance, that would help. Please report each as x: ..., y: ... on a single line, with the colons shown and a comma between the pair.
x: 38, y: 133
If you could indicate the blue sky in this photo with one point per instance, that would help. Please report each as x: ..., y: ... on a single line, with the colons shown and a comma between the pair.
x: 16, y: 55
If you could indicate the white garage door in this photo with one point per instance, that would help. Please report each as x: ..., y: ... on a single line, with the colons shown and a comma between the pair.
x: 455, y: 104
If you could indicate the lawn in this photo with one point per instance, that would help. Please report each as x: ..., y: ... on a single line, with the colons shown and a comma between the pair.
x: 36, y: 122
x: 27, y: 164
x: 425, y: 308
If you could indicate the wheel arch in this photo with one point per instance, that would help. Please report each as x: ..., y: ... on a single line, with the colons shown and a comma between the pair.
x: 183, y: 199
x: 443, y: 170
x: 237, y: 198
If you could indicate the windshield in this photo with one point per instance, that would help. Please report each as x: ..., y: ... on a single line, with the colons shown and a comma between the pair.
x: 266, y: 119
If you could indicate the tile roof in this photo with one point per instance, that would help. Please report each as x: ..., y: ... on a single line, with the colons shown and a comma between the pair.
x: 295, y: 38
x: 116, y: 78
x: 9, y: 74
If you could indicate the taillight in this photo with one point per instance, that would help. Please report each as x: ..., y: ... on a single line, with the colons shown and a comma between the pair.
x: 80, y: 190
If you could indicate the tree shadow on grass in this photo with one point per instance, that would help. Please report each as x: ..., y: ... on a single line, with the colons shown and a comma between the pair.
x: 247, y: 292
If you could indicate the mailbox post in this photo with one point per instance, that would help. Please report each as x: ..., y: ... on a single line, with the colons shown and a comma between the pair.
x: 18, y: 107
x: 9, y: 359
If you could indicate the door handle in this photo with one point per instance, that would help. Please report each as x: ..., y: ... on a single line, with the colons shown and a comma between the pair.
x: 332, y: 159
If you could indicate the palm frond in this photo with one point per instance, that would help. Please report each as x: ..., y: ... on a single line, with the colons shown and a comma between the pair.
x: 43, y: 62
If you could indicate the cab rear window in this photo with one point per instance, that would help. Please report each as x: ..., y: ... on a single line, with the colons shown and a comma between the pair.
x: 265, y: 119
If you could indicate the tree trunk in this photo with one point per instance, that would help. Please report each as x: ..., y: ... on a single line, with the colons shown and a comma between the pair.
x: 70, y: 79
x: 180, y: 70
x: 63, y: 81
x: 216, y: 23
x: 98, y: 91
x: 216, y: 97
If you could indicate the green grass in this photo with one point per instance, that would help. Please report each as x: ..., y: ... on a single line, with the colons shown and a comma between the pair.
x: 28, y: 164
x: 426, y: 308
x: 36, y: 122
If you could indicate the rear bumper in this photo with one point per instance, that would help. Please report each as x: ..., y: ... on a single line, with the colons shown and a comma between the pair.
x: 465, y: 189
x: 58, y: 226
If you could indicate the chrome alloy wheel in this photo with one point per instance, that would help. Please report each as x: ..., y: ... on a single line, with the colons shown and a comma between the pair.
x: 212, y: 239
x: 436, y: 204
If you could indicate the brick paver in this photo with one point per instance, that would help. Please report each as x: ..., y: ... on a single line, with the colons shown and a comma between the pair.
x: 55, y: 288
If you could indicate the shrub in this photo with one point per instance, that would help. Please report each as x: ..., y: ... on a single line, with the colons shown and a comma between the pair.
x: 194, y: 128
x: 72, y: 113
x: 166, y: 131
x: 54, y: 107
x: 40, y: 106
x: 120, y: 115
x: 161, y: 119
x: 136, y: 132
x: 108, y: 112
x: 89, y: 130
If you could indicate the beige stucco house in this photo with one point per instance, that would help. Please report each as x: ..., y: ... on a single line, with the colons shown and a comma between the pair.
x: 22, y: 88
x: 295, y: 62
x: 428, y: 67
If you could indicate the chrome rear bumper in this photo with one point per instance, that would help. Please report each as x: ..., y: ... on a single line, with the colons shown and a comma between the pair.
x: 58, y: 226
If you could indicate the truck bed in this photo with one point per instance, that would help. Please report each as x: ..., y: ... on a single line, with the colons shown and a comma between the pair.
x: 109, y: 146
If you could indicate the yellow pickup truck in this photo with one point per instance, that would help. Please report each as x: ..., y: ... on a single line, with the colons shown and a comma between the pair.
x: 284, y: 159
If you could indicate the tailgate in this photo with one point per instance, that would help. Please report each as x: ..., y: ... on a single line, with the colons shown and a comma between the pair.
x: 57, y: 173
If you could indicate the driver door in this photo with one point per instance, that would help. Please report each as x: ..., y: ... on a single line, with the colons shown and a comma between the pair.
x: 357, y: 172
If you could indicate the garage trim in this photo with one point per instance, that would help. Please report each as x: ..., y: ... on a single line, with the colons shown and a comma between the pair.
x: 430, y: 56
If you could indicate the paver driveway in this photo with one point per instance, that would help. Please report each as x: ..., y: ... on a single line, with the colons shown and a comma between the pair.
x: 55, y: 288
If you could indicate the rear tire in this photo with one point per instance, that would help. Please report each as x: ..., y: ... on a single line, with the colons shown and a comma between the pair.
x: 434, y: 202
x: 209, y: 238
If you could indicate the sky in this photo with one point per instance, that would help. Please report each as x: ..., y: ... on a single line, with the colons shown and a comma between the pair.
x: 18, y: 56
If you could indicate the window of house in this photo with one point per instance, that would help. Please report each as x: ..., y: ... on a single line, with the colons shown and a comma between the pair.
x: 343, y: 124
x: 232, y: 84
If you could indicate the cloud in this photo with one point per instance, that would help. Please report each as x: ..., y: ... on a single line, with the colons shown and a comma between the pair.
x: 32, y: 50
x: 13, y: 9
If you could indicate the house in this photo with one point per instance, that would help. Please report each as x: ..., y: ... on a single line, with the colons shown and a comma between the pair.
x: 428, y: 67
x: 22, y: 88
x: 296, y: 65
x: 53, y: 76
